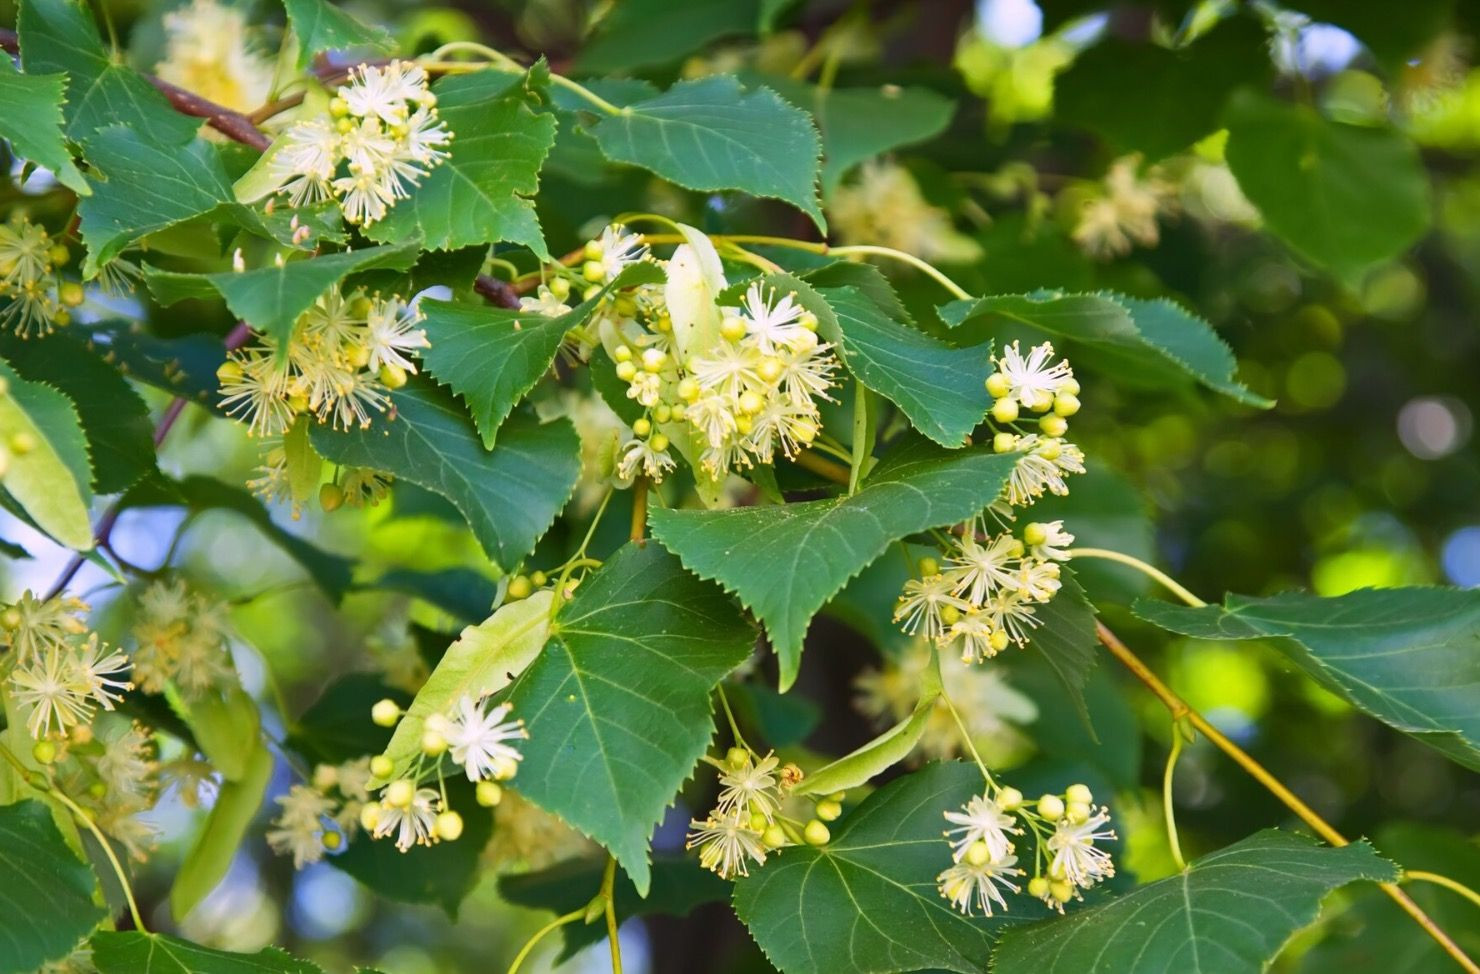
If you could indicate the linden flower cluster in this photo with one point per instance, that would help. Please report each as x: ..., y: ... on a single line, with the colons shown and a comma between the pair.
x: 342, y: 357
x: 59, y: 676
x: 207, y: 53
x: 884, y: 206
x: 477, y: 739
x: 382, y: 135
x: 747, y: 823
x: 182, y: 640
x: 37, y: 300
x: 984, y: 857
x: 1122, y: 214
x: 323, y: 814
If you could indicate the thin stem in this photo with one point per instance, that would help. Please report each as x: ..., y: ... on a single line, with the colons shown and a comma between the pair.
x: 724, y: 702
x: 966, y: 738
x: 911, y: 259
x: 1424, y: 876
x: 502, y: 61
x: 822, y: 466
x: 1166, y: 797
x: 608, y: 894
x: 639, y: 512
x: 756, y: 260
x: 861, y: 446
x: 539, y: 934
x: 1180, y: 709
x: 580, y: 555
x: 1150, y: 571
x: 86, y: 819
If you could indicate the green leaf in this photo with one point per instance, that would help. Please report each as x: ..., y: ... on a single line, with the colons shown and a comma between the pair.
x: 141, y: 186
x: 321, y: 26
x: 337, y: 727
x: 1393, y: 40
x: 618, y: 704
x: 786, y: 561
x: 1065, y: 635
x: 61, y: 36
x: 271, y: 299
x: 1345, y: 196
x: 223, y: 724
x: 50, y: 481
x: 710, y: 134
x: 643, y: 33
x: 867, y: 901
x: 941, y: 389
x: 184, y: 366
x: 462, y: 593
x: 679, y: 886
x: 510, y: 496
x: 1409, y: 657
x: 1155, y: 100
x: 1143, y: 342
x: 213, y: 850
x: 1230, y: 913
x: 48, y: 892
x: 492, y: 357
x: 1105, y: 510
x: 132, y: 952
x: 199, y: 493
x: 441, y: 874
x: 116, y: 422
x: 32, y: 122
x: 484, y: 659
x: 479, y: 194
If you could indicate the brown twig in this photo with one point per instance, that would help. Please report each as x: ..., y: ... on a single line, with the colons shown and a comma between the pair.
x: 500, y: 294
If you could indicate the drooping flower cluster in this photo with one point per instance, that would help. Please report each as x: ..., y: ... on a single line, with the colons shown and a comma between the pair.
x: 181, y: 639
x: 476, y: 737
x: 983, y: 842
x: 743, y: 826
x: 323, y: 814
x: 884, y: 206
x: 1122, y: 213
x: 34, y: 299
x: 339, y: 362
x: 382, y: 135
x: 208, y: 52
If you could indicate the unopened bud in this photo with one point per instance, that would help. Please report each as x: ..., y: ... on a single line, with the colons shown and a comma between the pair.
x: 1053, y: 425
x: 816, y: 833
x: 1079, y: 793
x: 1051, y: 807
x: 489, y: 793
x: 829, y: 810
x: 1009, y: 799
x: 998, y: 386
x: 449, y: 826
x: 433, y: 744
x: 520, y: 587
x: 382, y: 766
x: 1004, y: 443
x: 331, y: 497
x: 399, y: 793
x: 978, y: 853
x: 1005, y: 410
x: 385, y: 713
x: 370, y: 816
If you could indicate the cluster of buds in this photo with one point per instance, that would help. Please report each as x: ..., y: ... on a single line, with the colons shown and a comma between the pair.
x: 323, y: 814
x: 984, y: 857
x: 36, y: 300
x: 474, y: 738
x: 747, y: 822
x: 381, y: 135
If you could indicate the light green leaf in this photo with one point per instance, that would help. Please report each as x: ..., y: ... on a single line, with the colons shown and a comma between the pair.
x: 1141, y: 342
x: 881, y: 753
x: 132, y: 952
x: 59, y: 36
x: 210, y: 855
x: 120, y: 434
x: 50, y: 481
x: 222, y: 724
x: 618, y: 704
x: 141, y: 186
x: 941, y: 389
x: 786, y: 561
x: 321, y: 26
x: 32, y: 122
x: 304, y: 467
x: 710, y: 134
x: 492, y: 357
x: 867, y: 901
x: 1409, y: 657
x: 1230, y: 913
x: 479, y: 194
x: 484, y: 659
x: 1345, y: 196
x: 271, y: 299
x: 510, y: 496
x: 48, y: 891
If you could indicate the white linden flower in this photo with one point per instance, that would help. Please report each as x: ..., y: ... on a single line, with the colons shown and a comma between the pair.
x: 884, y: 206
x: 727, y: 843
x: 966, y: 884
x: 44, y: 623
x: 981, y: 820
x: 774, y: 323
x: 1041, y: 466
x: 1055, y: 542
x: 544, y: 303
x: 921, y: 603
x: 751, y: 787
x: 257, y: 391
x: 207, y: 53
x: 619, y: 248
x: 1033, y: 380
x: 476, y: 739
x: 977, y: 570
x: 639, y: 455
x: 980, y: 638
x: 415, y: 824
x: 95, y: 665
x: 305, y: 162
x: 383, y: 92
x: 299, y: 828
x: 1038, y: 581
x: 1110, y: 224
x: 1076, y: 859
x: 51, y: 687
x: 1011, y: 613
x: 390, y: 330
x: 127, y: 766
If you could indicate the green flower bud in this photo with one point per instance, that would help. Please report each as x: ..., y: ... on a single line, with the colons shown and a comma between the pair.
x: 382, y: 766
x: 332, y: 840
x: 829, y: 810
x: 1079, y: 793
x: 433, y: 744
x: 1004, y: 443
x: 978, y: 853
x: 774, y: 837
x: 449, y: 826
x: 1037, y: 886
x: 1035, y: 533
x: 1053, y: 425
x: 370, y: 816
x: 929, y: 566
x: 44, y: 752
x: 626, y: 371
x: 489, y: 793
x: 1009, y: 799
x: 1005, y: 410
x: 331, y: 497
x: 385, y: 713
x: 998, y: 386
x: 737, y: 757
x: 520, y: 587
x: 642, y: 426
x: 659, y: 442
x: 816, y: 833
x: 1065, y: 405
x: 622, y: 354
x: 398, y: 793
x: 1051, y: 807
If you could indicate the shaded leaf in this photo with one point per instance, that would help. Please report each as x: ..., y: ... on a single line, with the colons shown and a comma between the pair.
x: 337, y: 727
x: 460, y: 592
x: 47, y: 894
x: 639, y: 33
x: 32, y: 122
x: 1065, y: 636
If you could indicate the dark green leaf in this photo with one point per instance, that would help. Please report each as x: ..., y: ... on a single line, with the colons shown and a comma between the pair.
x: 460, y: 592
x: 510, y: 496
x: 155, y: 953
x: 679, y: 885
x: 321, y: 26
x: 1408, y: 656
x: 639, y: 33
x: 1065, y: 636
x: 32, y: 122
x: 786, y: 561
x: 47, y: 894
x: 1394, y: 40
x: 51, y: 480
x: 1345, y: 196
x: 337, y: 728
x: 181, y: 366
x: 710, y: 134
x: 479, y: 193
x: 1147, y: 342
x: 618, y: 704
x: 1230, y: 913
